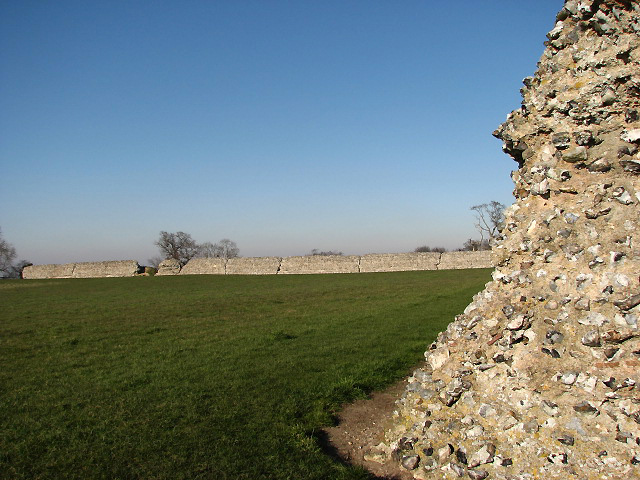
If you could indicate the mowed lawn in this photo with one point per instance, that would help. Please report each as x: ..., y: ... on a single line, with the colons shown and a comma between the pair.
x: 216, y: 377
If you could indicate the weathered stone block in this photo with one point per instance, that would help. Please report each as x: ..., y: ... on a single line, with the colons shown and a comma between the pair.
x: 320, y: 264
x: 204, y: 266
x: 460, y: 260
x: 48, y: 271
x: 119, y: 268
x: 253, y: 266
x: 116, y: 268
x: 169, y: 266
x: 399, y: 262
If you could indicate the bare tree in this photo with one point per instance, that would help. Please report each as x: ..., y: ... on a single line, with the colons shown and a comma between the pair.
x: 8, y: 269
x: 179, y: 246
x: 489, y: 219
x: 16, y: 270
x: 425, y: 248
x: 315, y: 251
x: 472, y: 245
x: 225, y: 248
x: 7, y: 256
x: 207, y: 250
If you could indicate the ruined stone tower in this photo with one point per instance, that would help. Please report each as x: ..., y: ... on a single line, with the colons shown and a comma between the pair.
x: 540, y: 377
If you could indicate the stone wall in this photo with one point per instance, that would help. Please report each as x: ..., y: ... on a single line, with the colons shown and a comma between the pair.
x: 540, y: 376
x: 312, y: 264
x: 119, y: 268
x: 320, y: 264
x: 398, y: 262
x: 316, y: 264
x: 169, y: 266
x: 211, y: 266
x: 458, y: 260
x: 253, y: 266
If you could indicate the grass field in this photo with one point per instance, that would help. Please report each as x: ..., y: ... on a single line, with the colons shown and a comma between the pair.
x: 217, y: 377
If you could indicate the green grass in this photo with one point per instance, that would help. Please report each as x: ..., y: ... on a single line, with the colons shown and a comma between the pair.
x: 217, y: 377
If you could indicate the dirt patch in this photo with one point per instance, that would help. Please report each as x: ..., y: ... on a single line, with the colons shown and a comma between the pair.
x: 361, y: 426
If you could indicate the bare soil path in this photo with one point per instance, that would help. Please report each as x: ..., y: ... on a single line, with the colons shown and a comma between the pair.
x: 361, y: 426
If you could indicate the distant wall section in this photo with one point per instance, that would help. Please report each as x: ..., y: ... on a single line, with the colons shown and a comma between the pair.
x: 117, y: 268
x: 317, y: 264
x: 310, y: 264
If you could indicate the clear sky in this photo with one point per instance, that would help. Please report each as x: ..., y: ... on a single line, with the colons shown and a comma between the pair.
x: 354, y: 125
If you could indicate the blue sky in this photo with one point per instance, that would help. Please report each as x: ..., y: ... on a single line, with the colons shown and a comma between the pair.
x: 359, y: 126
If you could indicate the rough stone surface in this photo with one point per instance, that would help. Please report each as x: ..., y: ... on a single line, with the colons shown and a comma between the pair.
x: 169, y: 266
x: 320, y: 264
x: 538, y: 378
x: 316, y: 264
x: 209, y: 266
x: 460, y: 260
x: 253, y: 266
x: 383, y: 262
x: 116, y: 268
x: 399, y: 262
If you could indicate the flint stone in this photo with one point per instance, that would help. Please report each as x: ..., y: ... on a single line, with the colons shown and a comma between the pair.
x: 616, y: 336
x: 549, y: 408
x: 478, y: 474
x: 410, y: 462
x: 600, y: 165
x: 482, y: 456
x: 630, y: 165
x: 622, y: 196
x: 608, y: 98
x: 570, y: 218
x: 631, y: 136
x: 585, y: 407
x: 437, y: 358
x: 558, y: 458
x: 517, y: 323
x: 593, y: 318
x: 584, y: 138
x: 578, y: 154
x: 553, y: 337
x: 569, y: 378
x: 628, y: 303
x: 591, y: 339
x: 458, y: 469
x: 566, y: 439
x: 444, y: 453
x: 583, y: 304
x: 561, y: 140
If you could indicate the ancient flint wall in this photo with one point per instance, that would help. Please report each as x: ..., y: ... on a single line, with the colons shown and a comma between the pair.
x: 399, y: 262
x: 211, y: 266
x: 458, y: 260
x: 253, y: 266
x: 120, y: 268
x: 318, y: 264
x: 313, y: 264
x: 540, y: 376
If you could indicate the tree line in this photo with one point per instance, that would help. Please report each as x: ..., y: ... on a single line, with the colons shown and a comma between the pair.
x: 489, y: 223
x: 182, y: 247
x: 9, y: 268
